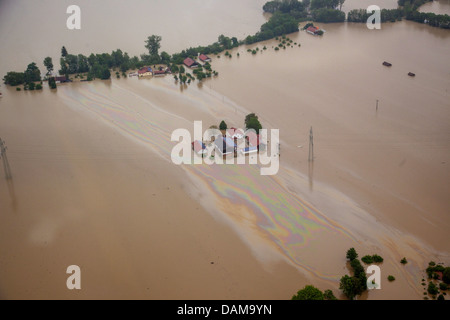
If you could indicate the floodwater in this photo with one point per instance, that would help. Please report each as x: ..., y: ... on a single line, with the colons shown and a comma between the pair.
x: 93, y: 183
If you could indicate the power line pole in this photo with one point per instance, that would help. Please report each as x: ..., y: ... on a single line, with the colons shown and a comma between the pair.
x: 3, y: 149
x: 311, y: 146
x: 377, y: 104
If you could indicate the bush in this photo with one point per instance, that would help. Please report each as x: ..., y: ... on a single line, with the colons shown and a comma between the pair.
x: 432, y: 289
x: 308, y: 293
x: 376, y: 258
x: 404, y: 261
x: 367, y: 259
x: 443, y: 286
x: 39, y: 86
x: 328, y: 295
x: 18, y: 89
x: 391, y: 278
x: 14, y: 78
x: 446, y: 277
x: 441, y: 297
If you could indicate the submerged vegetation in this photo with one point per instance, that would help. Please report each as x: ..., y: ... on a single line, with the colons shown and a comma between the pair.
x: 438, y: 281
x: 310, y: 292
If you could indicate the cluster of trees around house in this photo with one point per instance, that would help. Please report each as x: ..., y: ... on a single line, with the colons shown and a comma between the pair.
x: 287, y: 14
x: 407, y: 9
x: 438, y: 281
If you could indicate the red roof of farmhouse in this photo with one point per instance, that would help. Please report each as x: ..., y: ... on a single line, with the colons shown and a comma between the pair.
x: 145, y: 70
x: 189, y: 62
x: 204, y: 57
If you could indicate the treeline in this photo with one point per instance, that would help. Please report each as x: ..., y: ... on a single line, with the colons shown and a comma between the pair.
x: 286, y: 16
x: 325, y: 11
x: 412, y: 4
x: 97, y: 65
x: 434, y: 20
x: 223, y: 43
x: 328, y: 15
x: 361, y: 15
x: 407, y: 9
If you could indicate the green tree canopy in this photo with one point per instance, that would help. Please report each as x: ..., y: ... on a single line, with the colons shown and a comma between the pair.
x: 351, y: 254
x: 350, y: 286
x: 153, y: 44
x: 63, y: 52
x: 32, y: 73
x: 48, y: 63
x: 223, y: 125
x: 13, y: 78
x: 308, y: 293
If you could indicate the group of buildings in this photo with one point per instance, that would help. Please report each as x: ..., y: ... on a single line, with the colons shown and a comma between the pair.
x: 161, y: 71
x: 231, y: 142
x: 149, y: 71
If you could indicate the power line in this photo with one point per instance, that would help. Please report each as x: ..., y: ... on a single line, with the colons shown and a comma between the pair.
x: 311, y: 146
x: 6, y: 167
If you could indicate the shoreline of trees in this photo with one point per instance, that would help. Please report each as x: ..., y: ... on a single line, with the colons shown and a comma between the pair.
x: 285, y: 19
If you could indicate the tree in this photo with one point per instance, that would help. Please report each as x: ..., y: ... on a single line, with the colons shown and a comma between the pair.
x: 432, y: 289
x: 63, y: 52
x: 351, y: 254
x: 446, y: 275
x: 48, y: 63
x: 349, y: 286
x: 328, y: 295
x: 254, y: 124
x: 105, y: 74
x: 223, y: 126
x: 404, y: 261
x: 52, y: 83
x: 248, y: 117
x: 165, y: 58
x: 32, y: 73
x: 308, y: 293
x: 153, y: 44
x: 341, y: 2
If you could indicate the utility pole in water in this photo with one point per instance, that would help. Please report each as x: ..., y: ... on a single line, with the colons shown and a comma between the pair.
x: 377, y: 104
x: 3, y: 148
x: 311, y: 146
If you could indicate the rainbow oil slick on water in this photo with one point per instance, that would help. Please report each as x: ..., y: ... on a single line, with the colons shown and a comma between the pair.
x: 278, y: 215
x: 281, y: 216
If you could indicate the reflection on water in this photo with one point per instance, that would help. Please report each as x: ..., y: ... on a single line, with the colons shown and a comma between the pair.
x: 311, y: 174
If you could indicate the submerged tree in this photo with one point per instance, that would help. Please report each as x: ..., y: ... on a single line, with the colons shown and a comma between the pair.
x: 48, y: 63
x: 223, y: 125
